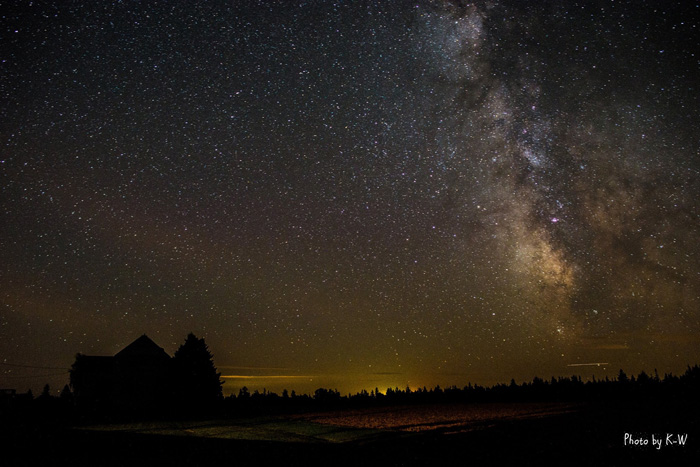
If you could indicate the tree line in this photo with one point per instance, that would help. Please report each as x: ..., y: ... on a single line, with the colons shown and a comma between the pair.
x: 199, y: 393
x: 564, y: 389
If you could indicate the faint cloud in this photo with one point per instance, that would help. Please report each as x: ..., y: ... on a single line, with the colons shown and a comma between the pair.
x: 254, y: 368
x: 266, y: 376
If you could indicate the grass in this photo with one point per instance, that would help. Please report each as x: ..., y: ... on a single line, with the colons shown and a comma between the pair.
x: 250, y: 429
x: 479, y: 434
x: 439, y: 417
x: 346, y: 426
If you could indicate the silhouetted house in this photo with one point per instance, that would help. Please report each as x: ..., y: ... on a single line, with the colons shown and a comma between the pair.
x: 136, y: 378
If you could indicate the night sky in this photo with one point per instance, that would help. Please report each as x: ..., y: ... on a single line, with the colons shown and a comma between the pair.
x: 351, y: 194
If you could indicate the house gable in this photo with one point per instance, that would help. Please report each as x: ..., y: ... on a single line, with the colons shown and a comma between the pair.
x: 142, y: 348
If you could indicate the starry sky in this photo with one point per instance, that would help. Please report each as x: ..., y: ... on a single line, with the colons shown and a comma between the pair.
x: 351, y: 194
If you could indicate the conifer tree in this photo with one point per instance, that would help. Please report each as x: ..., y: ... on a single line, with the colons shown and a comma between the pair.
x: 197, y: 382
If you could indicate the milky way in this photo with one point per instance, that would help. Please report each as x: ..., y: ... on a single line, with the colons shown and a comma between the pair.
x: 352, y: 194
x: 586, y: 191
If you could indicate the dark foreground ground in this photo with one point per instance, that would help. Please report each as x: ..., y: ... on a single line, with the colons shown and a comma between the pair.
x: 594, y: 434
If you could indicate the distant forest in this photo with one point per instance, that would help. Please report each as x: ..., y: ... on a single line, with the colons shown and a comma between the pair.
x: 563, y: 389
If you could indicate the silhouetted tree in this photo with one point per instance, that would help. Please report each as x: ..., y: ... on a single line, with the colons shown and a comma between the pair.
x: 197, y: 383
x: 46, y: 393
x: 326, y: 396
x: 692, y: 374
x: 643, y: 378
x: 66, y: 398
x: 622, y: 377
x: 65, y: 393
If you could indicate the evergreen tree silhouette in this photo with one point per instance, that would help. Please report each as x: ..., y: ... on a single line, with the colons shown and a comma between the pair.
x: 243, y: 393
x: 197, y: 383
x: 46, y: 393
x: 66, y: 394
x: 622, y: 377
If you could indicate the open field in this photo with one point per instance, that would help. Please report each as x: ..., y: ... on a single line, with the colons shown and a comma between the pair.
x: 276, y: 429
x: 472, y: 434
x: 351, y: 425
x: 446, y: 418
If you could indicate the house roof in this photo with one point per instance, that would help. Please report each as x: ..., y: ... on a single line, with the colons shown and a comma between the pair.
x: 143, y: 347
